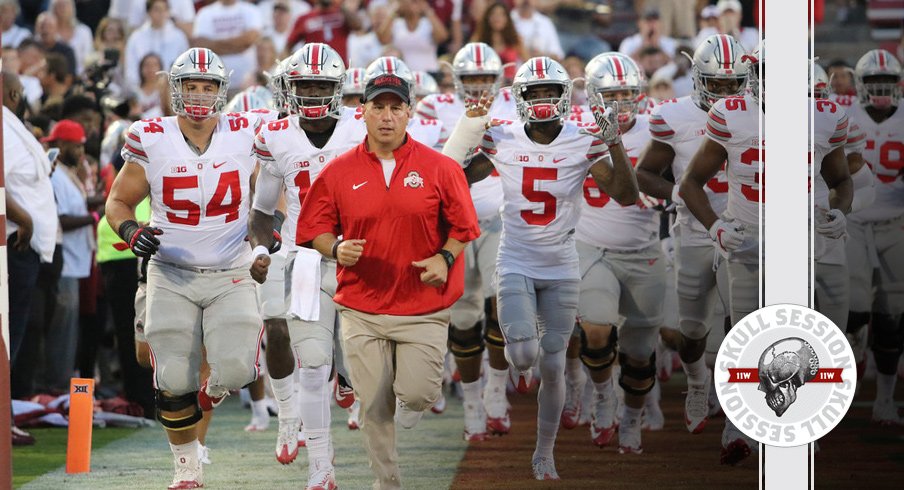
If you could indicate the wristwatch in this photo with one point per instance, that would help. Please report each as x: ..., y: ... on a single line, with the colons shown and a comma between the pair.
x: 447, y: 256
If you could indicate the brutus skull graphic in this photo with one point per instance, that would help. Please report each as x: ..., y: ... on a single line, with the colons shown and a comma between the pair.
x: 784, y: 367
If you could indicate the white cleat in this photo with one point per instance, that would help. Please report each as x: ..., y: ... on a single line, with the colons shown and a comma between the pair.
x: 498, y: 409
x: 406, y: 417
x: 571, y: 413
x: 203, y: 454
x: 603, y: 427
x: 653, y: 419
x: 287, y: 441
x: 354, y: 416
x: 322, y: 476
x: 885, y: 412
x: 629, y: 436
x: 475, y: 422
x: 188, y: 475
x: 696, y: 406
x: 735, y: 445
x: 440, y: 405
x: 544, y: 469
x: 258, y: 423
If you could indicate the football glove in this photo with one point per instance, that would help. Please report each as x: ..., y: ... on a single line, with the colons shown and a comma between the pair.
x: 834, y: 226
x: 142, y: 240
x: 727, y: 235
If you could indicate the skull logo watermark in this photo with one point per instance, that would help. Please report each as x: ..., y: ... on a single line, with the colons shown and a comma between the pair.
x: 784, y: 367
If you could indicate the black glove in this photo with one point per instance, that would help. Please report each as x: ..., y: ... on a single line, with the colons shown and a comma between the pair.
x: 141, y: 239
x: 278, y: 218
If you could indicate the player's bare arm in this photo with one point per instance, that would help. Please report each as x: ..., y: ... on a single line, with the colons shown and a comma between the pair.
x: 837, y: 175
x: 654, y: 161
x: 436, y: 269
x: 265, y: 211
x: 704, y: 166
x: 129, y: 189
x: 480, y: 168
x: 616, y: 179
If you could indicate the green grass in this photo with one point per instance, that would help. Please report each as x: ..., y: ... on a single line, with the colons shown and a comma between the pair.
x: 49, y: 453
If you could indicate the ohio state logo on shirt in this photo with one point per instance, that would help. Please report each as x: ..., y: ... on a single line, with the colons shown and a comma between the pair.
x: 413, y: 180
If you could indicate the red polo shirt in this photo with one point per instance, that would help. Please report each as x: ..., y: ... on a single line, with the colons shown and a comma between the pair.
x: 426, y: 202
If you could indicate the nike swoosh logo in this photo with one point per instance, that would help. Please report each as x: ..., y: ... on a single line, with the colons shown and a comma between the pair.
x: 236, y: 281
x: 218, y: 165
x: 557, y: 160
x: 652, y: 261
x: 356, y: 186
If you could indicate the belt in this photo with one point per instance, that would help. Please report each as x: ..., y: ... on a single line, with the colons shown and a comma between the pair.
x: 189, y: 268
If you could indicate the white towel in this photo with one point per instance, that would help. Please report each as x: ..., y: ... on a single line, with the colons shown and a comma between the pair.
x: 305, y: 301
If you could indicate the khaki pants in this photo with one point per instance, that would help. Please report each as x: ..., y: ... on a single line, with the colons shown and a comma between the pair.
x: 391, y: 357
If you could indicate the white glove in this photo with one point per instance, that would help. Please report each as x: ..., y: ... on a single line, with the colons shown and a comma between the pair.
x: 676, y: 199
x: 727, y: 235
x: 608, y: 124
x: 648, y: 202
x: 668, y: 250
x: 835, y: 225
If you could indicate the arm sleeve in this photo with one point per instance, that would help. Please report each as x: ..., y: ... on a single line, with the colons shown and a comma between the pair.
x: 133, y: 149
x: 717, y: 127
x: 457, y: 207
x: 266, y: 192
x: 864, y: 188
x: 319, y: 212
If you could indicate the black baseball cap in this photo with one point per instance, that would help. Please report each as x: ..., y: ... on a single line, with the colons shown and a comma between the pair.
x: 387, y: 84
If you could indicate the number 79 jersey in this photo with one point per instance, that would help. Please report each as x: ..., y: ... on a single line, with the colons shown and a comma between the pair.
x: 285, y: 151
x: 884, y: 153
x: 542, y: 189
x: 200, y: 202
x: 734, y: 122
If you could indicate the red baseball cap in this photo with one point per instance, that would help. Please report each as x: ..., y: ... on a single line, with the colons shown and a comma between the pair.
x: 66, y: 130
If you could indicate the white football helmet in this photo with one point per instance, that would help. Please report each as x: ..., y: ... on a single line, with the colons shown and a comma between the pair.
x: 354, y: 82
x: 424, y: 84
x: 476, y: 59
x: 198, y: 64
x: 718, y: 57
x: 756, y: 69
x: 884, y: 94
x: 314, y: 61
x: 542, y: 70
x: 614, y: 72
x: 277, y: 86
x: 819, y: 83
x: 390, y: 65
x: 253, y: 97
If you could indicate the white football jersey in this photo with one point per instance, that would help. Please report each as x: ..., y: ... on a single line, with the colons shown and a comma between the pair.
x: 581, y: 114
x: 265, y: 115
x: 448, y: 108
x: 429, y: 132
x: 884, y: 153
x: 830, y: 131
x: 733, y: 122
x: 681, y: 124
x: 843, y: 100
x: 606, y: 223
x: 542, y: 187
x: 285, y: 151
x: 200, y: 202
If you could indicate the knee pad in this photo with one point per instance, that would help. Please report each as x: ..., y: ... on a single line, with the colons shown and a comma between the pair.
x: 466, y: 343
x: 857, y: 320
x: 888, y: 342
x: 177, y: 403
x: 493, y: 335
x: 601, y: 358
x: 230, y: 373
x: 644, y: 373
x: 522, y: 355
x: 314, y: 379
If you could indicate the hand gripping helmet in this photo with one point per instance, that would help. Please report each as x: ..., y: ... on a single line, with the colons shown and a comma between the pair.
x: 354, y: 82
x: 314, y: 61
x: 614, y: 72
x: 756, y: 68
x: 541, y: 70
x: 390, y: 65
x: 880, y: 94
x: 476, y: 59
x: 253, y: 97
x: 424, y: 84
x: 718, y: 57
x: 820, y: 82
x: 198, y: 64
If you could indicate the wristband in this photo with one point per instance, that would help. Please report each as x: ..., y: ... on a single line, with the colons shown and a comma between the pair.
x: 258, y: 251
x: 278, y: 218
x: 127, y: 229
x: 96, y: 217
x: 335, y: 249
x: 447, y: 256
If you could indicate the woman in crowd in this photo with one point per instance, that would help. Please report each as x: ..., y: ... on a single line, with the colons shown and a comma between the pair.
x: 497, y: 29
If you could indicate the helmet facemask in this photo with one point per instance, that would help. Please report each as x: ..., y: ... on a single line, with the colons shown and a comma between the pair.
x: 756, y: 71
x: 315, y: 107
x: 709, y: 94
x: 879, y: 91
x: 626, y: 107
x: 197, y: 106
x: 543, y: 109
x: 470, y: 92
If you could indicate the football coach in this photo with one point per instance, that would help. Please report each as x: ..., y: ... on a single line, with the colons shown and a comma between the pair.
x: 404, y: 214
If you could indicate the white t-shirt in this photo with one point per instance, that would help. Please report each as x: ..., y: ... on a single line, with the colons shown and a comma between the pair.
x: 14, y: 36
x: 417, y: 46
x: 217, y: 21
x: 134, y: 12
x: 363, y: 48
x: 631, y: 44
x: 297, y: 8
x: 27, y: 172
x: 539, y: 34
x: 388, y: 167
x: 78, y: 244
x: 82, y: 44
x: 168, y: 42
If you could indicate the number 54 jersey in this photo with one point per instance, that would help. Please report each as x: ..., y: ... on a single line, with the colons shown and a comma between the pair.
x: 542, y: 190
x: 199, y: 201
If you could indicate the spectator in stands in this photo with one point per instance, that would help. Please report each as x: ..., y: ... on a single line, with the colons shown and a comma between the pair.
x: 85, y: 111
x: 841, y: 78
x: 294, y: 9
x: 135, y: 12
x: 650, y: 59
x: 78, y: 244
x: 159, y: 35
x: 265, y: 52
x: 709, y: 17
x: 12, y: 34
x: 47, y: 33
x: 363, y: 44
x: 537, y: 30
x: 677, y: 17
x: 649, y: 35
x: 451, y: 14
x: 31, y: 85
x: 110, y: 34
x: 575, y: 65
x: 280, y: 25
x: 497, y: 29
x: 330, y: 22
x: 730, y: 23
x: 57, y: 81
x: 72, y: 32
x: 230, y: 28
x: 661, y: 86
x: 413, y: 27
x: 31, y: 227
x: 149, y: 86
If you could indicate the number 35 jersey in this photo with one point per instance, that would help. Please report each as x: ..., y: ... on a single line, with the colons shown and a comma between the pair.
x: 884, y: 153
x: 200, y: 202
x: 542, y: 191
x: 733, y: 122
x: 285, y: 151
